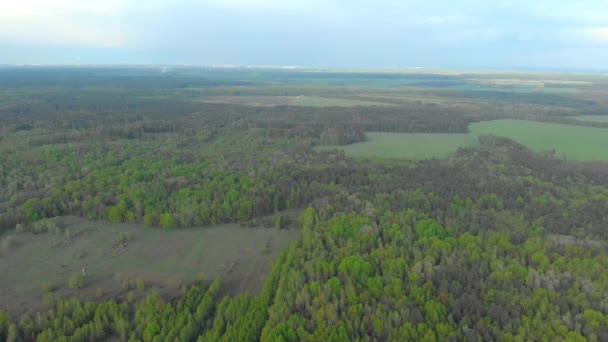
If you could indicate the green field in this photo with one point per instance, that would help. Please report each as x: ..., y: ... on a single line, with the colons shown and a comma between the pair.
x: 406, y: 145
x: 592, y: 118
x: 575, y: 142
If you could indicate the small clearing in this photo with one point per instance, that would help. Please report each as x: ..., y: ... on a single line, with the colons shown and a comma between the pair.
x: 406, y: 145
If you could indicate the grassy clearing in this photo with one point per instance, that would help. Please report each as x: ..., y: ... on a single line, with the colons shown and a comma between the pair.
x: 162, y: 260
x: 575, y: 142
x: 406, y: 145
x: 308, y: 101
x: 592, y: 118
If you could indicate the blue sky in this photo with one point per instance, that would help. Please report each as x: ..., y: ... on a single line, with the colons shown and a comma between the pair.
x: 315, y: 33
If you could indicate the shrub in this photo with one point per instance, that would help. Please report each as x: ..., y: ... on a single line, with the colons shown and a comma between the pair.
x: 76, y: 281
x: 48, y: 287
x: 50, y: 299
x: 129, y: 283
x: 277, y: 221
x: 22, y: 228
x: 4, y: 321
x: 123, y: 237
x: 141, y: 284
x: 50, y: 225
x: 39, y: 227
x: 167, y: 220
x: 55, y: 230
x: 7, y: 243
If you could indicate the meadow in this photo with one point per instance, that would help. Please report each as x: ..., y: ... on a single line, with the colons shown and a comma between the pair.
x: 406, y: 145
x: 164, y: 260
x: 569, y: 141
x: 573, y: 142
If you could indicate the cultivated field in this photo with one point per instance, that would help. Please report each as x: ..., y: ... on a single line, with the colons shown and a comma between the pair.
x: 406, y: 145
x: 164, y: 260
x: 575, y: 142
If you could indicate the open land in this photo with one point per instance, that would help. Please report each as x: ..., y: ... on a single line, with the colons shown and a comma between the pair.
x: 574, y: 142
x: 166, y: 260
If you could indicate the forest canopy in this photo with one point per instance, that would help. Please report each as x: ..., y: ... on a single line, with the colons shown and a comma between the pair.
x: 495, y: 242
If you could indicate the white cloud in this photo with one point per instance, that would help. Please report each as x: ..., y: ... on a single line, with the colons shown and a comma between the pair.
x: 451, y: 19
x: 63, y: 22
x: 118, y: 23
x: 590, y: 12
x: 27, y: 8
x: 470, y: 35
x: 267, y: 4
x: 599, y: 34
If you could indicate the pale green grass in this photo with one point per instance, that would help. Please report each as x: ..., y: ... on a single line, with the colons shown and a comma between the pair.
x: 165, y: 259
x: 575, y: 142
x: 406, y: 145
x: 592, y: 118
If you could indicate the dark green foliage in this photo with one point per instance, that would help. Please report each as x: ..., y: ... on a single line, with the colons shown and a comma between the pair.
x: 31, y: 210
x: 4, y: 323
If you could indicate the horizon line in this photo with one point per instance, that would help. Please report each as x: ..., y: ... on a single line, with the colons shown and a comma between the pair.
x: 315, y: 68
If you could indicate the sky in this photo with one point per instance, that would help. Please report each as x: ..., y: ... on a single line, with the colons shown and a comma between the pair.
x: 517, y: 34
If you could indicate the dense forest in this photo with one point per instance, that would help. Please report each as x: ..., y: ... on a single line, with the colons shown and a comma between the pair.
x: 494, y: 243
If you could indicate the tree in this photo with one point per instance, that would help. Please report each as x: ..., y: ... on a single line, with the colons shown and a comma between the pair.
x: 31, y: 209
x: 114, y: 214
x: 167, y: 220
x: 4, y: 323
x: 76, y: 281
x: 277, y: 220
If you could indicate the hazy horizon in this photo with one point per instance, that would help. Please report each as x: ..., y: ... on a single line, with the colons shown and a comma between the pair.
x: 355, y: 69
x: 334, y: 34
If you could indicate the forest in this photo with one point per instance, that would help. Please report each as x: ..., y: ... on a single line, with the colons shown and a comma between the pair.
x: 498, y: 241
